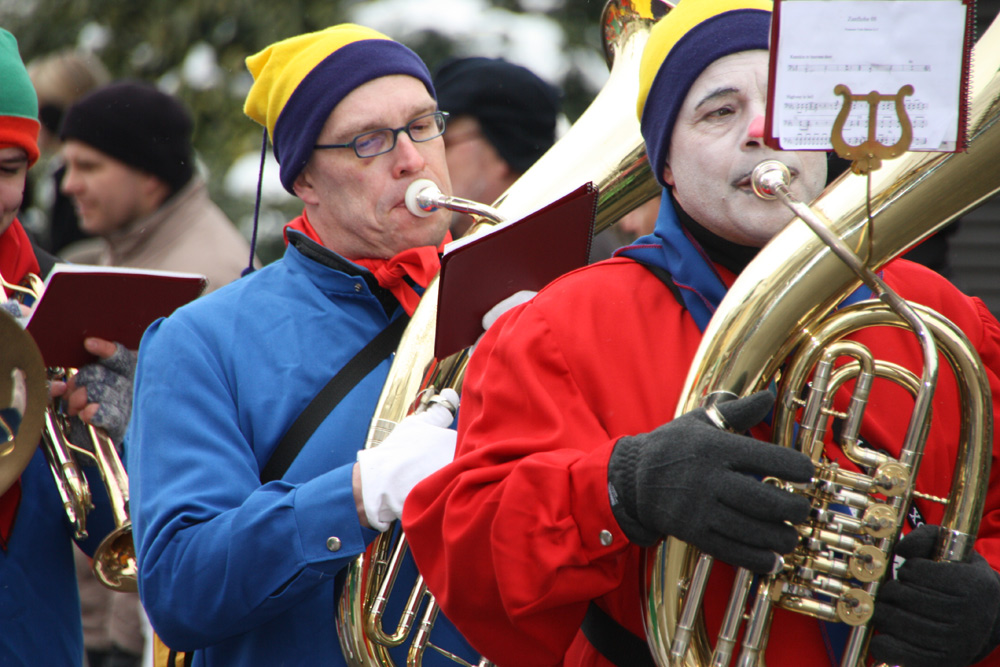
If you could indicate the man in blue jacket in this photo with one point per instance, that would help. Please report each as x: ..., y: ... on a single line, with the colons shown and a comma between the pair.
x: 238, y: 565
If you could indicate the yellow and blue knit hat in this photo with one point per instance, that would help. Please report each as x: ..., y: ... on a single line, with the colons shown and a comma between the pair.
x: 18, y: 102
x: 681, y: 45
x: 298, y: 81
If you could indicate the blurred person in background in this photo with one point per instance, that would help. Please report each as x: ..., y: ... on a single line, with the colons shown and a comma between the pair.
x: 131, y: 173
x: 59, y: 78
x: 502, y: 119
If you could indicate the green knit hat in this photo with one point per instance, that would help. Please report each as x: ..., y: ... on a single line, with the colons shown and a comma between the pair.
x: 18, y: 102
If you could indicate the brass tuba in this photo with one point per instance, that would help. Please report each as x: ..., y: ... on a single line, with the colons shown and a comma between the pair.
x: 775, y: 324
x: 114, y: 560
x: 603, y: 147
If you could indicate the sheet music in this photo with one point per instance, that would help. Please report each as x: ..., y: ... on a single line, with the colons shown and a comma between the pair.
x: 869, y: 45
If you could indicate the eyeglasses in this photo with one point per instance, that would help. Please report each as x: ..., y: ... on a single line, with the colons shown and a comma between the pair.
x: 376, y: 142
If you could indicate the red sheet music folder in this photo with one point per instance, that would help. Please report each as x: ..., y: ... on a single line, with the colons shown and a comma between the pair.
x: 523, y: 255
x: 112, y: 303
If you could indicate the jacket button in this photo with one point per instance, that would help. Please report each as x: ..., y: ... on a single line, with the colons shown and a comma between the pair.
x: 606, y: 538
x: 357, y: 287
x: 333, y: 543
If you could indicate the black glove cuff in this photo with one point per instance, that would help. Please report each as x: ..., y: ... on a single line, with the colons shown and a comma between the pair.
x: 622, y: 473
x: 993, y: 641
x: 622, y: 491
x: 633, y: 530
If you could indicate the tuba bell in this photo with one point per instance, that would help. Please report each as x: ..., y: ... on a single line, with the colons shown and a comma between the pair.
x: 775, y: 325
x: 603, y: 147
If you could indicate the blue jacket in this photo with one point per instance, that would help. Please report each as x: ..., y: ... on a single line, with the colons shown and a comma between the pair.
x: 39, y: 601
x: 239, y: 571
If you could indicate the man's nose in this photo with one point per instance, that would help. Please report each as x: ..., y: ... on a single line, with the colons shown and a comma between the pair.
x: 68, y: 184
x: 408, y: 156
x: 755, y: 131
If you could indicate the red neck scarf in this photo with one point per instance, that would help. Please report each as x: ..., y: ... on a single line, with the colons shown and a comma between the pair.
x: 17, y: 259
x: 420, y: 264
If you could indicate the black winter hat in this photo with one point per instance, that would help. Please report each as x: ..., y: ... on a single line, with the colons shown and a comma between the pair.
x: 516, y: 109
x: 137, y: 124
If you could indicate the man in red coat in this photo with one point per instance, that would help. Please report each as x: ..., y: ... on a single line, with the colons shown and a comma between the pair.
x: 570, y: 460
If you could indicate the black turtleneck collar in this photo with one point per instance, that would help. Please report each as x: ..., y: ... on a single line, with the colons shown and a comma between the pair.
x: 731, y: 255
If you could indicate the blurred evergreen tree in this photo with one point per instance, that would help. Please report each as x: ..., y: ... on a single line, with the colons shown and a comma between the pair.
x: 154, y: 40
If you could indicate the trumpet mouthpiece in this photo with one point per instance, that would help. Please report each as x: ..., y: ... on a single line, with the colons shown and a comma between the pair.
x: 421, y: 197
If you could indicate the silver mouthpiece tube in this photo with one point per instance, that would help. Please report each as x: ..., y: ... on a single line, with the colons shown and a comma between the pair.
x: 423, y: 197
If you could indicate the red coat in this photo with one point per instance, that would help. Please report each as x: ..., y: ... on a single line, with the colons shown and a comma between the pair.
x: 598, y: 354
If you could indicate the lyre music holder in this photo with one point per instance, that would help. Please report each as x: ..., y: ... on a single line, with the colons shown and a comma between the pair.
x: 868, y: 155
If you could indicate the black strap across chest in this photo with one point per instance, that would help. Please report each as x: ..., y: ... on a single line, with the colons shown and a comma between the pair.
x: 355, y: 370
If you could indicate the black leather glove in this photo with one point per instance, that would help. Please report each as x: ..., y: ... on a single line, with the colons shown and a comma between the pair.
x: 936, y: 614
x: 109, y: 382
x: 694, y: 481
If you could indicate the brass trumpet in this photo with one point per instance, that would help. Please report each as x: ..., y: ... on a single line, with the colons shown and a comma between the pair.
x: 20, y: 363
x: 114, y: 560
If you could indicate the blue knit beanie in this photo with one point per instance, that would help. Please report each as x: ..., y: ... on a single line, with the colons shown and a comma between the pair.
x: 681, y: 45
x: 298, y: 81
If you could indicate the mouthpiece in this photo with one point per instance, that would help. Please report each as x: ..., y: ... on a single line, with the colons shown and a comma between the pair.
x: 768, y: 176
x: 421, y: 197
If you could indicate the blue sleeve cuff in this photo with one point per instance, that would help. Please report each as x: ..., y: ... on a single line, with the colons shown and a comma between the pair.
x: 327, y: 519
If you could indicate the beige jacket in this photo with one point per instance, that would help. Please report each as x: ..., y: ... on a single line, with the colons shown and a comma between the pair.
x: 189, y: 233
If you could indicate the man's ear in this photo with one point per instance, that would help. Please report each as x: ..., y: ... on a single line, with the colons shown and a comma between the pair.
x: 154, y: 190
x: 668, y: 175
x: 303, y: 187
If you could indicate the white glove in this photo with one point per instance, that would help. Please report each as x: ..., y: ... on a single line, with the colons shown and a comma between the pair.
x: 10, y: 417
x: 494, y: 313
x: 417, y: 447
x: 515, y: 299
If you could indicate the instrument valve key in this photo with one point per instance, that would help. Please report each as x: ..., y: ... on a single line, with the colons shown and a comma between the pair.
x: 892, y: 478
